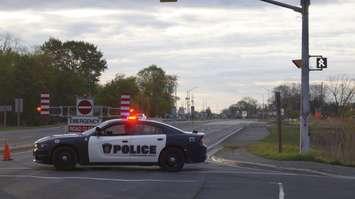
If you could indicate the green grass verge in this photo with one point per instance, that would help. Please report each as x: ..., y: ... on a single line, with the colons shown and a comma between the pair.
x: 268, y: 147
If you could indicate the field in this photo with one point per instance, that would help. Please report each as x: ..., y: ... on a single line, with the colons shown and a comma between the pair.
x: 332, y: 141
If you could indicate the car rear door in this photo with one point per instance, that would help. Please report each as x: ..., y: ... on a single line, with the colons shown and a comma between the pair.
x: 149, y: 140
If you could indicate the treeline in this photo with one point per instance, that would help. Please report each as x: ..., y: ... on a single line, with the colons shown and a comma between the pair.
x: 70, y: 69
x: 332, y: 98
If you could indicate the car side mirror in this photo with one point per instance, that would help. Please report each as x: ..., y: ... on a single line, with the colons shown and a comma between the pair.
x: 98, y: 131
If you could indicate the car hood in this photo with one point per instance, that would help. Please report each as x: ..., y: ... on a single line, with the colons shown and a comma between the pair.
x: 60, y: 136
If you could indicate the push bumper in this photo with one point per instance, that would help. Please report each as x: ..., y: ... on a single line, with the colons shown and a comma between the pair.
x: 197, y: 154
x: 41, y: 156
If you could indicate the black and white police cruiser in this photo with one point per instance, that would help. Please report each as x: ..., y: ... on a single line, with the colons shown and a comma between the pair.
x: 123, y: 141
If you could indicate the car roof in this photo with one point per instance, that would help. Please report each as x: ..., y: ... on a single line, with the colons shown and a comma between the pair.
x: 112, y: 121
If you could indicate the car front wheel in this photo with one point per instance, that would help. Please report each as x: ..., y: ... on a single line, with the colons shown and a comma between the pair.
x: 171, y: 159
x: 64, y: 158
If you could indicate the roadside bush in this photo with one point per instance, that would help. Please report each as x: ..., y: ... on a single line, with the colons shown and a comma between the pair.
x: 335, y: 139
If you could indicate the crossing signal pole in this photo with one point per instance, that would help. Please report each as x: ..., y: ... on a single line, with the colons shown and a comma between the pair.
x: 305, y: 104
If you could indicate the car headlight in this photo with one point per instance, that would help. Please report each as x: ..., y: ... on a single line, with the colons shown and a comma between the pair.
x: 40, y: 145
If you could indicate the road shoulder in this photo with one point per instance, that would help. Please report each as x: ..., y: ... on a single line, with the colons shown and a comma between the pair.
x: 234, y: 152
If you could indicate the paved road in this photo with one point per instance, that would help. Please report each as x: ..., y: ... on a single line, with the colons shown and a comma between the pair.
x: 27, y: 136
x: 23, y: 179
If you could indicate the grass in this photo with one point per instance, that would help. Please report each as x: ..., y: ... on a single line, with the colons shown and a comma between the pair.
x: 268, y: 147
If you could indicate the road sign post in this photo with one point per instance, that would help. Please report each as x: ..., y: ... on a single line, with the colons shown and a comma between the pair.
x: 5, y: 119
x: 278, y: 107
x: 5, y: 109
x: 18, y: 109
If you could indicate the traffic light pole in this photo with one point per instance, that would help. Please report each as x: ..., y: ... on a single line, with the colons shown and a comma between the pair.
x: 305, y: 105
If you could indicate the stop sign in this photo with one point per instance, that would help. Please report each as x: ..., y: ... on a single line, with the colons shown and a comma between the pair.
x: 85, y: 107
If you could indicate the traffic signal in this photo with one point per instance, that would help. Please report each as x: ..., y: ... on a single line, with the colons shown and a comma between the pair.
x: 38, y: 109
x: 298, y: 63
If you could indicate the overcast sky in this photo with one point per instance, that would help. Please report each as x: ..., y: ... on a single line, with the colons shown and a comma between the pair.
x: 228, y: 49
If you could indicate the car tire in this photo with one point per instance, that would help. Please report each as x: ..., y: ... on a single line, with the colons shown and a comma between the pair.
x: 171, y: 159
x: 64, y: 158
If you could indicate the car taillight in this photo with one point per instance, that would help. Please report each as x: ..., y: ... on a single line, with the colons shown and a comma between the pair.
x: 202, y: 140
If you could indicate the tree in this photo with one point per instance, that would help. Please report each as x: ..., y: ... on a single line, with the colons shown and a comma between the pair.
x: 10, y: 44
x: 290, y: 99
x: 111, y: 92
x: 77, y: 57
x: 208, y: 113
x: 341, y: 90
x: 156, y: 90
x: 248, y: 104
x: 318, y: 97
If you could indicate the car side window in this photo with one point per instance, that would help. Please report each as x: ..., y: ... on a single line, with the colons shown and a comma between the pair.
x: 145, y: 129
x: 115, y: 130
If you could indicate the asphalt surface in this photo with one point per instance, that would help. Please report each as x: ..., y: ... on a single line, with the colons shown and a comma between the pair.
x: 21, y: 178
x: 25, y: 137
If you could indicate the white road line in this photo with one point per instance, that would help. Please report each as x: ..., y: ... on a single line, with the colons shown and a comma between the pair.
x: 259, y: 173
x: 27, y: 151
x: 281, y: 191
x: 97, y: 179
x: 222, y: 139
x: 214, y: 160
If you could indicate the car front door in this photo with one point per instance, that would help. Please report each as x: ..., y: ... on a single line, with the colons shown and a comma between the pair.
x: 110, y: 146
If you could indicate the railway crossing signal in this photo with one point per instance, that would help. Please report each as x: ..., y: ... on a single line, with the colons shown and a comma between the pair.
x: 44, y: 107
x: 125, y: 104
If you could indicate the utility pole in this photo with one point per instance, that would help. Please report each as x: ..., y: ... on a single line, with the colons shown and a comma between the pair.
x: 279, y: 119
x: 305, y: 105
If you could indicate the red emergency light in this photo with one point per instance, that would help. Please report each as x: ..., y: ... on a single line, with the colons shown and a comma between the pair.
x: 132, y: 117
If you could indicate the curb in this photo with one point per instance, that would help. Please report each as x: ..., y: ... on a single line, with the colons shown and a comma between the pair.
x: 270, y: 166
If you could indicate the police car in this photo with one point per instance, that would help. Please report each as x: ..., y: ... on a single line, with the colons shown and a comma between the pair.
x: 123, y: 141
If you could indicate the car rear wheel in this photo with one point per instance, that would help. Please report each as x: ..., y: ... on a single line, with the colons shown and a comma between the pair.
x: 171, y: 159
x: 64, y: 158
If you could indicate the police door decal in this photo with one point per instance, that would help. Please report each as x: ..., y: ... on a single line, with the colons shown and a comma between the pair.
x: 132, y: 150
x: 136, y: 148
x: 107, y: 148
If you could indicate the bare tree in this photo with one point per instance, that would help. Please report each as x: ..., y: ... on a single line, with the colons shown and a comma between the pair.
x: 8, y: 44
x: 341, y: 91
x: 317, y: 96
